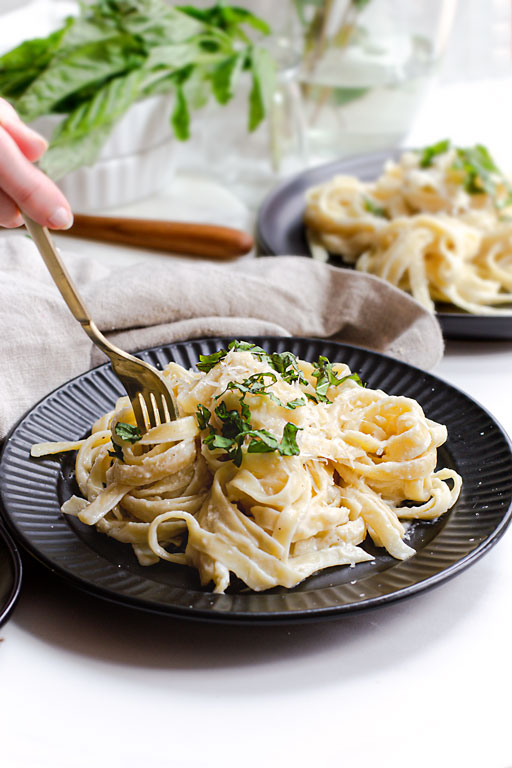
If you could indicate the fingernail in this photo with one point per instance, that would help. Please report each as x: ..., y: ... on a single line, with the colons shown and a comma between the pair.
x: 39, y: 140
x: 61, y: 218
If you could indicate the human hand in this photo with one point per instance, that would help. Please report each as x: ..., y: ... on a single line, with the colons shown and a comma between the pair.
x: 22, y: 185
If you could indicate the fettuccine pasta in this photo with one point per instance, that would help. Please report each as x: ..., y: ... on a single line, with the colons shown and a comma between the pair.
x: 276, y: 468
x: 436, y: 223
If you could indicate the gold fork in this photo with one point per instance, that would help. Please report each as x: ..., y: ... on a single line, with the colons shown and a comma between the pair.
x: 149, y: 393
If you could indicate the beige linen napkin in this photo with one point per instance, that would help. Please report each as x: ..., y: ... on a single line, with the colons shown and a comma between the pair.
x: 41, y: 345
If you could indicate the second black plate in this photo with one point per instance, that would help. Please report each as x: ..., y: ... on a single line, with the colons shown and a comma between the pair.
x: 280, y: 231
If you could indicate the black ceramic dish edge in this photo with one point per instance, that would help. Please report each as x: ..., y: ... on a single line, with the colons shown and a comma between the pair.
x: 16, y: 570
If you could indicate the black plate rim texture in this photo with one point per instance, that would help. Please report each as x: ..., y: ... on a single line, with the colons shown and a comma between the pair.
x: 214, y: 611
x: 16, y: 571
x: 455, y: 324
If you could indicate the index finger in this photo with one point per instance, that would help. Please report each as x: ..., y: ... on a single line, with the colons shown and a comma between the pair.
x: 31, y: 190
x: 31, y: 143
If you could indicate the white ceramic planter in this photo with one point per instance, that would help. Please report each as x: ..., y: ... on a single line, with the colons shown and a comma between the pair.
x: 135, y: 162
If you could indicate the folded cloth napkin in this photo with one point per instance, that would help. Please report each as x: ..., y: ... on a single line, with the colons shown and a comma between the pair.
x: 42, y: 346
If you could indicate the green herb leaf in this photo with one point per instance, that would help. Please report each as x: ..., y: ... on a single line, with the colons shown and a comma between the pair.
x: 481, y: 174
x: 117, y: 452
x: 355, y: 377
x: 263, y: 73
x: 127, y: 432
x: 78, y: 140
x: 214, y: 441
x: 180, y: 118
x: 225, y: 77
x: 191, y: 52
x: 233, y: 422
x: 153, y: 21
x: 207, y: 362
x: 226, y: 17
x: 286, y: 364
x: 326, y: 377
x: 89, y: 64
x: 428, y: 153
x: 288, y: 445
x: 262, y: 441
x: 20, y: 66
x: 246, y: 346
x: 375, y: 209
x: 203, y: 416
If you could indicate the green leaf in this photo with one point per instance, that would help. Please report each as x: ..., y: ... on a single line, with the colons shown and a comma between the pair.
x: 263, y: 75
x: 428, y: 153
x: 481, y: 174
x: 292, y: 404
x: 180, y: 119
x: 288, y: 445
x: 354, y: 377
x: 234, y: 16
x: 205, y: 16
x: 214, y: 441
x: 78, y: 140
x: 127, y: 432
x: 225, y: 77
x: 84, y: 66
x: 262, y: 441
x: 155, y: 22
x: 246, y: 346
x: 207, y: 362
x: 117, y: 452
x: 20, y: 66
x: 375, y: 209
x: 172, y: 56
x: 326, y: 377
x: 342, y: 96
x: 227, y: 17
x: 234, y: 423
x: 203, y: 416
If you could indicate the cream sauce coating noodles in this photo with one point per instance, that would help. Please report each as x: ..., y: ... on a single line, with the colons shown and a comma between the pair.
x: 363, y: 462
x: 419, y: 229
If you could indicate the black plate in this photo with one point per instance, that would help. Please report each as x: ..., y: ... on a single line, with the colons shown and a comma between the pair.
x: 32, y: 491
x: 280, y: 231
x: 10, y: 575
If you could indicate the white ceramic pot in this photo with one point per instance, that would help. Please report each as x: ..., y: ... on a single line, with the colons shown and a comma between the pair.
x: 135, y: 162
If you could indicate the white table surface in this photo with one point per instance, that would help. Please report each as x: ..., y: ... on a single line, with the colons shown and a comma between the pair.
x: 423, y: 683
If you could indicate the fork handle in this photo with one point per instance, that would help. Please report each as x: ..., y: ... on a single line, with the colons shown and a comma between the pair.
x: 67, y: 288
x: 57, y: 270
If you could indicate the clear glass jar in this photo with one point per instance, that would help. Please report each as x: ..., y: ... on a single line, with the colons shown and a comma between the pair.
x: 366, y: 65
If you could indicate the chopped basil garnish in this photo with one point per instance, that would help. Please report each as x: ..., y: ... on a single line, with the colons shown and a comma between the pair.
x: 236, y: 427
x: 127, y: 432
x: 481, y: 175
x: 428, y: 153
x: 235, y: 423
x: 207, y: 362
x: 288, y: 445
x: 255, y: 385
x: 117, y: 453
x: 375, y: 209
x: 326, y: 377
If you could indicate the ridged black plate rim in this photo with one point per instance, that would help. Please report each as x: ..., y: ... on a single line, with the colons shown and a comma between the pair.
x: 478, y: 446
x: 11, y: 562
x: 280, y: 231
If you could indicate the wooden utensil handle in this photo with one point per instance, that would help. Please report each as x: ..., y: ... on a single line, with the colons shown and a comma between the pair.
x: 171, y: 236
